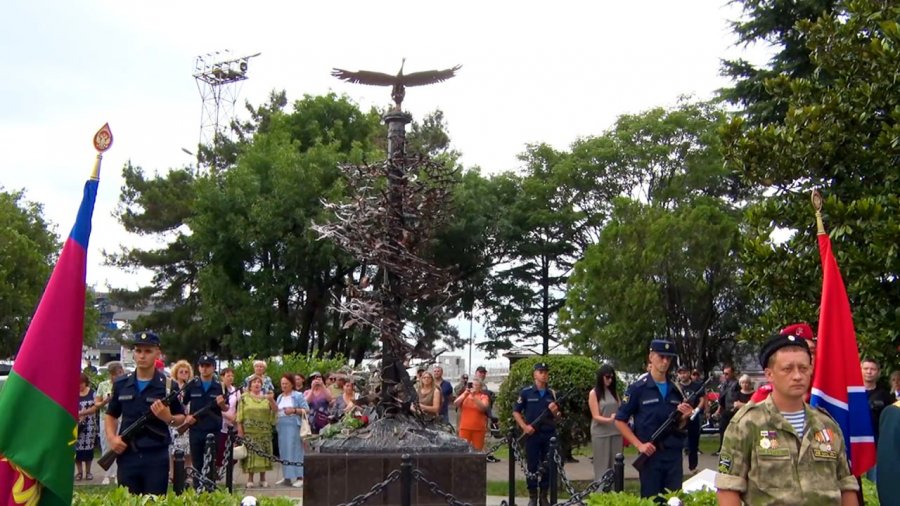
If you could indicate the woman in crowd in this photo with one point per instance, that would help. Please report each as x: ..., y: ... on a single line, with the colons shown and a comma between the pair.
x: 606, y: 440
x: 429, y: 397
x: 743, y: 397
x: 319, y: 400
x: 232, y: 397
x: 473, y: 405
x: 299, y: 383
x: 182, y: 372
x: 255, y: 419
x: 346, y: 402
x: 88, y: 430
x: 292, y: 407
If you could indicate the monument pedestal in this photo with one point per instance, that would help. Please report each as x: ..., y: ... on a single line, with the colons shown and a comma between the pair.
x: 331, y: 479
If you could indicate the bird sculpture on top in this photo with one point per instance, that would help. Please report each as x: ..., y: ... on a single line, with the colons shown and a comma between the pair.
x: 399, y: 82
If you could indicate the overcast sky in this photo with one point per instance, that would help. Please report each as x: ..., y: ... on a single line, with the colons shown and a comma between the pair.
x: 532, y: 72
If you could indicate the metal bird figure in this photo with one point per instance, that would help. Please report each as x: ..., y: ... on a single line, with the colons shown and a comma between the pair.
x: 399, y: 82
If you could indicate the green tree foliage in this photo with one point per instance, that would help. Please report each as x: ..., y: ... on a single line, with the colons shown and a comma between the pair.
x: 840, y: 134
x: 665, y: 264
x: 574, y: 375
x: 773, y: 23
x: 28, y: 249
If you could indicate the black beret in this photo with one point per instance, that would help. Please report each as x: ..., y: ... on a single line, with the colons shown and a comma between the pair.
x: 207, y: 360
x: 778, y: 342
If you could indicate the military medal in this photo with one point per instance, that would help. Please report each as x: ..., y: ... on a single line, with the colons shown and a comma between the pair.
x: 765, y: 443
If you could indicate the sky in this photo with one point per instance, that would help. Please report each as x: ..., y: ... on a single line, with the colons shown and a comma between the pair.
x: 531, y: 72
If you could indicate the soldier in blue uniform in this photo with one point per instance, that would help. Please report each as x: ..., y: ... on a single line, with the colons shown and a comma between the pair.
x: 201, y: 394
x: 536, y: 412
x: 143, y: 462
x: 649, y: 401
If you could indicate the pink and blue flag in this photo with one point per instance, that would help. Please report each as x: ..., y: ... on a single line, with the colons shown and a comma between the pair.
x: 837, y: 383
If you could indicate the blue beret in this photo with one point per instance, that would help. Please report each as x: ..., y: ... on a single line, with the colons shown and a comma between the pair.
x: 146, y: 337
x: 663, y: 347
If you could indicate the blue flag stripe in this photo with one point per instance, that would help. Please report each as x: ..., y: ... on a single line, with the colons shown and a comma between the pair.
x: 81, y: 232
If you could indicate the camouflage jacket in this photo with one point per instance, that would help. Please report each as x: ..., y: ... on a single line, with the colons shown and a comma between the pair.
x: 765, y: 460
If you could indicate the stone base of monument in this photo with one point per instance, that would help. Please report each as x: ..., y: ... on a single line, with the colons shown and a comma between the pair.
x: 347, y: 466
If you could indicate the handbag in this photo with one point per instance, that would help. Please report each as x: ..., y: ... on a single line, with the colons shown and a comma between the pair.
x: 321, y: 419
x: 305, y: 429
x: 239, y: 452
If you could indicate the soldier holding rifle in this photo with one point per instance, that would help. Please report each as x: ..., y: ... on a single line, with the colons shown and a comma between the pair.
x: 144, y: 459
x: 535, y: 412
x: 650, y: 401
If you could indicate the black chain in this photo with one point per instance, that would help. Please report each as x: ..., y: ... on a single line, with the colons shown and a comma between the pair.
x: 251, y: 446
x: 205, y: 483
x: 562, y: 474
x: 436, y: 490
x: 604, y: 484
x: 376, y: 489
x: 517, y: 453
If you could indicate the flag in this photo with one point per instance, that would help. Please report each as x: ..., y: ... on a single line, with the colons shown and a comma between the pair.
x: 39, y: 402
x: 837, y: 382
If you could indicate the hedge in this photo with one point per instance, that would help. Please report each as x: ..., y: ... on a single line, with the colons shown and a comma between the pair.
x: 120, y: 497
x: 575, y: 374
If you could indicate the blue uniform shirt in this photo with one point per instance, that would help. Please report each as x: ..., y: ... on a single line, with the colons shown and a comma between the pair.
x: 126, y: 401
x: 197, y: 398
x: 644, y: 402
x: 531, y: 404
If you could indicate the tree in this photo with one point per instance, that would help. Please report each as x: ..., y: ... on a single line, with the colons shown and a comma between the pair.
x: 773, y: 22
x: 665, y: 264
x: 28, y: 252
x: 841, y: 135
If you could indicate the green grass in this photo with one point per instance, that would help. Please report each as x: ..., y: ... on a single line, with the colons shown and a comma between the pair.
x: 708, y: 445
x: 501, y: 488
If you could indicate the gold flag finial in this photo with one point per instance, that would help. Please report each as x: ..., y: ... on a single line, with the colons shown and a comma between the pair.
x: 817, y: 204
x: 103, y: 139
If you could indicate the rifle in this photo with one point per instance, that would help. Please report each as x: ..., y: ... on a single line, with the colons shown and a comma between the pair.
x: 205, y: 409
x: 663, y: 429
x: 110, y: 456
x: 540, y: 419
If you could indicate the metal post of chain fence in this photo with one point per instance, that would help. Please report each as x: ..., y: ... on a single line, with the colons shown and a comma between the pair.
x: 554, y: 448
x: 178, y: 473
x: 619, y: 470
x: 209, y: 463
x: 511, y: 440
x: 227, y: 461
x: 405, y: 480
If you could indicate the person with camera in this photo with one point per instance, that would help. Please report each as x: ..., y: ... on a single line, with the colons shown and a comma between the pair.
x: 473, y: 405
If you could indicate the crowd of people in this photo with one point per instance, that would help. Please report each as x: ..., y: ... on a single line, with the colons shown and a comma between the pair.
x: 763, y: 431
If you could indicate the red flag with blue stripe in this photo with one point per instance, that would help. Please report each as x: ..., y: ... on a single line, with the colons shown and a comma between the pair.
x: 837, y: 383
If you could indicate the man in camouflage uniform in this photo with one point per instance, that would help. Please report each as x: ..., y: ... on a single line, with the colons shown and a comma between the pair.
x: 766, y: 460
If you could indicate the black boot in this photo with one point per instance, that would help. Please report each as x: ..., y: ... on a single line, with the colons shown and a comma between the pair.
x: 532, y: 498
x: 545, y: 500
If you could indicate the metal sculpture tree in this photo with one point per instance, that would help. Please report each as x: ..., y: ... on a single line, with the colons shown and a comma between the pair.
x: 396, y: 207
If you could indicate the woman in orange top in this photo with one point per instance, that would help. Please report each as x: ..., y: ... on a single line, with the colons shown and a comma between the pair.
x: 473, y: 406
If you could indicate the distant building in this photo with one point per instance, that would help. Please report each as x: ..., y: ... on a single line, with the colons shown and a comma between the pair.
x: 114, y: 321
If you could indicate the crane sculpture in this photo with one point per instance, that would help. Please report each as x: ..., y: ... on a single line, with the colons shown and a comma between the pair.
x: 398, y: 82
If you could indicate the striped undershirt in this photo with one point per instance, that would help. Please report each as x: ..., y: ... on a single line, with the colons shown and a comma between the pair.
x: 797, y: 419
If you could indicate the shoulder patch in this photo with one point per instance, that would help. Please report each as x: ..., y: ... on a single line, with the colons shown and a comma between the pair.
x: 725, y: 463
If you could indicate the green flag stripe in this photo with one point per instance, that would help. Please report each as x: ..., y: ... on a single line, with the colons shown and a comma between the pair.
x: 38, y: 435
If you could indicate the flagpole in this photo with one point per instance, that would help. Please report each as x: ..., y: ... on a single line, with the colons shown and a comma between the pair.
x: 817, y: 204
x: 103, y: 139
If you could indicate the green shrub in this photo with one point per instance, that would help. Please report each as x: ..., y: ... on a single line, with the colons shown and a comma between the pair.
x: 573, y: 374
x: 292, y: 363
x: 618, y: 499
x: 121, y: 497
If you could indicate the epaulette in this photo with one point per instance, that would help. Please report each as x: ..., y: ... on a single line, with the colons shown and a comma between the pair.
x: 897, y: 404
x: 123, y: 377
x: 750, y: 406
x: 824, y: 411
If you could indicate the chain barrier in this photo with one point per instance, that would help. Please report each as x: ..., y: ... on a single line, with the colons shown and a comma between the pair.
x: 376, y: 489
x: 436, y: 490
x: 253, y: 447
x: 604, y: 484
x: 523, y: 465
x: 200, y: 482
